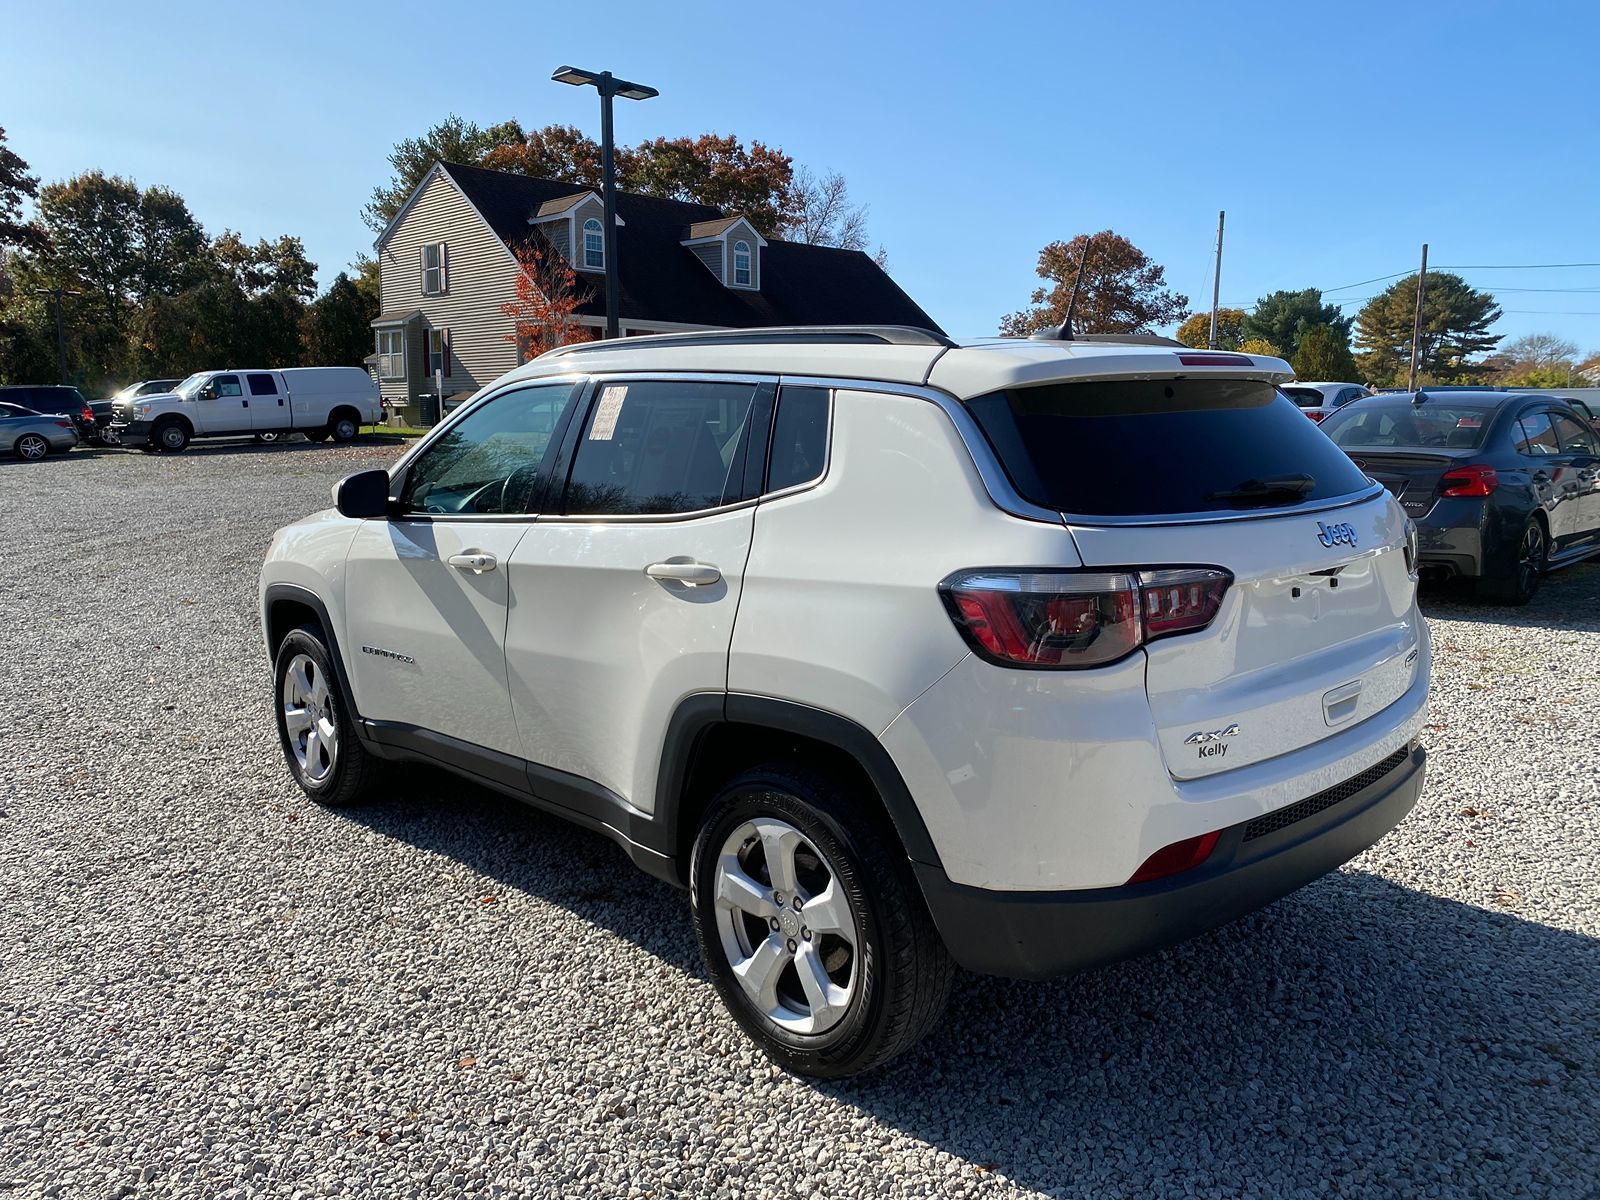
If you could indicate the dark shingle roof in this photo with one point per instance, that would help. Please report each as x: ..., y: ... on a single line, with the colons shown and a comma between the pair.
x: 663, y: 281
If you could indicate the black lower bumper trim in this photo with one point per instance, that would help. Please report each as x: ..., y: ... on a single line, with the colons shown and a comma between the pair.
x: 1036, y: 935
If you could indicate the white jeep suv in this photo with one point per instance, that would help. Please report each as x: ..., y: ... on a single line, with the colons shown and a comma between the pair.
x: 900, y: 655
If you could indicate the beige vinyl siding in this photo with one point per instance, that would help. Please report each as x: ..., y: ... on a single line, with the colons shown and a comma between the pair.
x: 710, y: 253
x: 482, y: 277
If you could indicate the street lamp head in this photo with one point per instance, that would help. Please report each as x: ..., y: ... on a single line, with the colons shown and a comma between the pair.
x: 574, y: 76
x: 605, y: 82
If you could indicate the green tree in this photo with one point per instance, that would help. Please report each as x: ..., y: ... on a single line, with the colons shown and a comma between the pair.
x: 1123, y: 290
x: 755, y: 180
x: 1196, y: 331
x: 452, y: 140
x: 1455, y: 328
x: 1324, y: 354
x: 16, y: 186
x: 336, y: 330
x: 1282, y: 319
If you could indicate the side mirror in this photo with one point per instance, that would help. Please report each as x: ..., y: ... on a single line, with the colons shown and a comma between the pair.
x: 208, y: 393
x: 364, y: 495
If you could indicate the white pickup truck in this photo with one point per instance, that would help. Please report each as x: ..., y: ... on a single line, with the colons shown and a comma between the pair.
x: 320, y: 402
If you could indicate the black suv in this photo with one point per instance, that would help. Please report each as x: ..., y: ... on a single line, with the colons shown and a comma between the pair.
x: 56, y: 399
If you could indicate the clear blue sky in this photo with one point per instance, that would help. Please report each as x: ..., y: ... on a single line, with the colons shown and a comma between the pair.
x: 1338, y: 136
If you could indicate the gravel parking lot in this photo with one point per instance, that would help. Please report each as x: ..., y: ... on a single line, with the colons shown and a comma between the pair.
x: 210, y: 988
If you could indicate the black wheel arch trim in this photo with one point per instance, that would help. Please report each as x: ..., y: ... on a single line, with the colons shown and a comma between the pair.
x: 293, y: 593
x: 697, y: 715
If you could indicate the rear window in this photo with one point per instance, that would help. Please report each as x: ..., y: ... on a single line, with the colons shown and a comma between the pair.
x: 1117, y: 448
x: 1304, y: 397
x: 1409, y: 426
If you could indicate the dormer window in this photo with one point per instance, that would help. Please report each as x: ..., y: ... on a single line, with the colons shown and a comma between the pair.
x: 741, y: 263
x: 594, y: 246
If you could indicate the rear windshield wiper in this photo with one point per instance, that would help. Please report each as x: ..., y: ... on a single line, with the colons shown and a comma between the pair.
x: 1267, y: 489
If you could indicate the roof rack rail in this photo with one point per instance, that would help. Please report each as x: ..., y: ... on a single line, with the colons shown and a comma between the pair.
x: 838, y: 335
x: 1131, y: 339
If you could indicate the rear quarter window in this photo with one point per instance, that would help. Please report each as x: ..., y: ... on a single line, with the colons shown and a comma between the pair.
x: 1122, y: 448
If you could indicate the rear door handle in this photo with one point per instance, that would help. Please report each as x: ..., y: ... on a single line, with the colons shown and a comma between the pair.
x: 476, y: 562
x: 695, y: 574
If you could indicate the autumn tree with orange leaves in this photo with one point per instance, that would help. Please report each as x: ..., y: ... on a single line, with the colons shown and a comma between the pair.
x: 548, y: 298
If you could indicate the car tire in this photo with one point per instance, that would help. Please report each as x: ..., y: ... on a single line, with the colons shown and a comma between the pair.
x: 343, y: 426
x: 170, y: 436
x: 317, y: 435
x: 31, y: 447
x: 1525, y: 570
x: 830, y: 1000
x: 317, y: 734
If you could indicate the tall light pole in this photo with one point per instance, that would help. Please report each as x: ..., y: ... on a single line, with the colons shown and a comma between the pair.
x: 608, y: 85
x: 57, y: 294
x: 1216, y: 282
x: 1416, y: 321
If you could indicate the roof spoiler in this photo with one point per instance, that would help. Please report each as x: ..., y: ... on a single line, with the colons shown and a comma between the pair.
x: 833, y: 335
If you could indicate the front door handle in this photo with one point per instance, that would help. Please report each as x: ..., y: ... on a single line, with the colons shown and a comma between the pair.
x: 477, y: 562
x: 695, y: 574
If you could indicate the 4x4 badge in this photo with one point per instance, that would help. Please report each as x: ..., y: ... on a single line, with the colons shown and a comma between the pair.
x: 1209, y: 743
x: 1336, y: 535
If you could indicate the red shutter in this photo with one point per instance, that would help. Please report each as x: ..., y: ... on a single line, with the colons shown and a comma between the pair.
x: 445, y: 337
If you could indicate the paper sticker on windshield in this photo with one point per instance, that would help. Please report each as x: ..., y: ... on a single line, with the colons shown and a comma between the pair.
x: 606, y: 414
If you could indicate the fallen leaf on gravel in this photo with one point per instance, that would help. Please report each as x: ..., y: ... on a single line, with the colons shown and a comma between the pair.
x: 488, y: 900
x: 1504, y: 895
x: 466, y: 1062
x: 1471, y: 812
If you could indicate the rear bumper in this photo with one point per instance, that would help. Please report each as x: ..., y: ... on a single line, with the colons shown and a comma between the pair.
x: 1036, y: 935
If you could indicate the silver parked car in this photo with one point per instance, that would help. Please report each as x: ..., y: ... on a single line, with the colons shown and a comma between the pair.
x: 30, y: 435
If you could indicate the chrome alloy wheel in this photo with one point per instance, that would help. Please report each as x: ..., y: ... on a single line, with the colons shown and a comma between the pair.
x: 32, y: 447
x: 786, y: 926
x: 308, y: 719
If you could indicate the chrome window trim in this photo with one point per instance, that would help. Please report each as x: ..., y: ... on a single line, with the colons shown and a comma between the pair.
x: 990, y: 472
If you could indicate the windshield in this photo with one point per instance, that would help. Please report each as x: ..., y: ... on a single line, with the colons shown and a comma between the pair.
x: 1138, y: 447
x: 191, y: 385
x: 1404, y: 425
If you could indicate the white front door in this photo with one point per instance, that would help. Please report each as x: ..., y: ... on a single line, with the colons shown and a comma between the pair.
x: 623, y: 597
x: 427, y: 592
x: 219, y: 406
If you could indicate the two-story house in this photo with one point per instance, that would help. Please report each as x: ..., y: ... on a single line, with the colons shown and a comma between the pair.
x: 448, y: 267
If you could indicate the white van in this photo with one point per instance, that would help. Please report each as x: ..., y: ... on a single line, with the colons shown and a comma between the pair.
x: 320, y: 402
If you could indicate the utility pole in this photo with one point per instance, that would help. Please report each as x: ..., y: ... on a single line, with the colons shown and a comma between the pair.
x: 56, y: 294
x: 1216, y: 281
x: 1416, y: 321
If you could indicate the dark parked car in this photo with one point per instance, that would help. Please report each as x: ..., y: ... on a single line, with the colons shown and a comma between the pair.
x: 56, y: 399
x: 102, y: 408
x: 1502, y: 486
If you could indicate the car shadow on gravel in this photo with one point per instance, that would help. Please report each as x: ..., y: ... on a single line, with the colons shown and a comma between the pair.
x: 1567, y: 599
x: 1356, y: 1035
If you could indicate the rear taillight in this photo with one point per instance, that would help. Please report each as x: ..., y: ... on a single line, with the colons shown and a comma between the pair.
x: 1474, y: 480
x: 65, y: 424
x: 1180, y: 856
x: 87, y: 414
x: 1316, y: 414
x: 1078, y: 618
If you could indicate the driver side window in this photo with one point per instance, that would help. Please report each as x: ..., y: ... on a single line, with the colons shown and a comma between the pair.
x: 493, y: 460
x: 226, y: 385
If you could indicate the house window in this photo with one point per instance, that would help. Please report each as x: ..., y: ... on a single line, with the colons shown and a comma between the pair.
x: 741, y: 263
x: 435, y: 278
x: 439, y: 352
x: 391, y: 354
x: 594, y: 246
